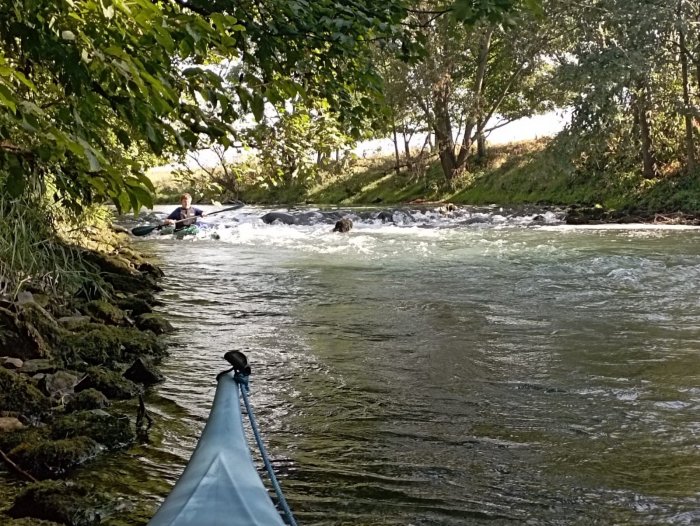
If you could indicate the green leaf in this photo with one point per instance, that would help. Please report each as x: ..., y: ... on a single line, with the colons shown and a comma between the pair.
x: 143, y: 196
x: 145, y: 181
x: 258, y: 107
x: 7, y: 99
x: 122, y: 202
x: 93, y: 162
x: 98, y: 184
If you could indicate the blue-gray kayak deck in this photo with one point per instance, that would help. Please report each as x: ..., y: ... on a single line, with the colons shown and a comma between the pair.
x: 220, y: 485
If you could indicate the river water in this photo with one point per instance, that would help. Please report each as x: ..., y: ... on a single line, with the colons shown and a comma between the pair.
x: 474, y: 368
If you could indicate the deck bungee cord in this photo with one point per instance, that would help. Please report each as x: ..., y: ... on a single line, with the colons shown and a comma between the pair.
x: 220, y: 485
x: 240, y: 365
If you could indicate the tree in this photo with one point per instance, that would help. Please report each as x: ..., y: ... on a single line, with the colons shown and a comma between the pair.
x: 496, y: 65
x: 629, y: 63
x: 82, y: 83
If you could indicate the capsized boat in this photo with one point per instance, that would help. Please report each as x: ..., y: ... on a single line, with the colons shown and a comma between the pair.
x: 220, y: 485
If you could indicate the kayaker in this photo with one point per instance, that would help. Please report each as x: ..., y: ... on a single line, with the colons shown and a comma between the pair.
x: 185, y: 211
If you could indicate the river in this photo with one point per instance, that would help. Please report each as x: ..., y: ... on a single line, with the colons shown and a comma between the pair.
x: 469, y: 368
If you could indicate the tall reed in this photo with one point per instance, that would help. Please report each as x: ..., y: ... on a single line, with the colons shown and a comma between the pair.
x: 32, y: 253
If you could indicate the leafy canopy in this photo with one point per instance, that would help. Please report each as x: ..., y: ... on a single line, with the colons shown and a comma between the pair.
x: 89, y: 88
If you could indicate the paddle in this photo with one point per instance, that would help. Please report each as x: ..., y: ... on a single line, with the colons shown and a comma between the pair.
x: 145, y: 230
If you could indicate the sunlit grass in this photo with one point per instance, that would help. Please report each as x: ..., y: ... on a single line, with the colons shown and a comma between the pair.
x: 538, y: 171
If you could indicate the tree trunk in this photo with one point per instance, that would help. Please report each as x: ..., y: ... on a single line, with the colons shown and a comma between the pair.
x: 689, y: 143
x: 407, y: 144
x: 696, y: 59
x: 443, y: 128
x: 648, y: 159
x: 477, y: 112
x: 397, y: 156
x: 480, y: 145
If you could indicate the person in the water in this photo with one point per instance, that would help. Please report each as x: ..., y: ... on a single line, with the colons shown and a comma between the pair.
x: 343, y: 225
x: 185, y: 214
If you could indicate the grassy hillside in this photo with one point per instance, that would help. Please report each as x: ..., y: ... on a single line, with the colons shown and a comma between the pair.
x: 528, y: 172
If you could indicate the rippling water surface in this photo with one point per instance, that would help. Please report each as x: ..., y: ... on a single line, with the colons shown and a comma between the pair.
x: 499, y: 371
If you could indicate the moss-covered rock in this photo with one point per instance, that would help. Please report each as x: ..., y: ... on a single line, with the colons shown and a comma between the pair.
x: 107, y: 345
x: 85, y: 400
x: 130, y: 283
x: 112, y: 384
x: 151, y: 269
x: 28, y: 435
x: 142, y: 371
x: 41, y: 319
x: 105, y: 312
x: 154, y: 323
x: 9, y: 424
x: 62, y: 502
x: 109, y: 263
x: 19, y: 395
x: 30, y: 521
x: 41, y: 365
x: 54, y: 458
x: 74, y: 323
x: 111, y: 430
x: 19, y: 338
x: 134, y: 305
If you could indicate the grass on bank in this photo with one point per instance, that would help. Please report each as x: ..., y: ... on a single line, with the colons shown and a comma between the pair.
x: 519, y: 173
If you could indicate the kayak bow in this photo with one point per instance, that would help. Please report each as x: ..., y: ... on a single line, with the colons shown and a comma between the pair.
x: 220, y: 485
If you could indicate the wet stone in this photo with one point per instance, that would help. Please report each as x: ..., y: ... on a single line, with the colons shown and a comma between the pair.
x: 154, y: 323
x: 63, y: 503
x: 58, y: 384
x: 10, y: 423
x: 11, y: 363
x: 113, y: 385
x: 111, y: 430
x: 54, y: 458
x: 143, y: 372
x: 85, y: 400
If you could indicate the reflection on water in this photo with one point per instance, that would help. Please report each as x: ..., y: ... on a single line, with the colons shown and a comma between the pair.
x: 438, y: 376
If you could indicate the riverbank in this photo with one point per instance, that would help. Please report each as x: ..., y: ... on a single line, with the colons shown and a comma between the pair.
x: 535, y: 173
x: 66, y: 362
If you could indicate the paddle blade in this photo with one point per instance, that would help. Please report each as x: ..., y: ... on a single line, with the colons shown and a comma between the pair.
x: 143, y: 230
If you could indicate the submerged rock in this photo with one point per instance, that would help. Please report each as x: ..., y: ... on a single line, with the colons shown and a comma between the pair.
x: 54, y: 458
x: 111, y: 430
x: 62, y: 502
x: 286, y: 219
